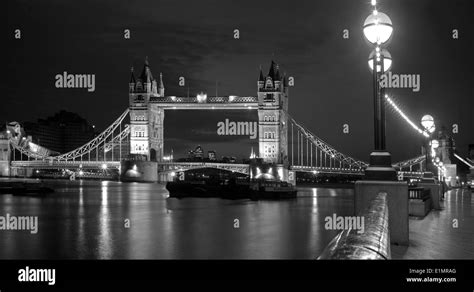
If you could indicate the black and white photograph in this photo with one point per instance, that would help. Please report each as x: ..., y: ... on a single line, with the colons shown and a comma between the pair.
x: 212, y: 137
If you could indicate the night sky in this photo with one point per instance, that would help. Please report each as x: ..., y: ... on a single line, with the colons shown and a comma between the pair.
x: 195, y: 39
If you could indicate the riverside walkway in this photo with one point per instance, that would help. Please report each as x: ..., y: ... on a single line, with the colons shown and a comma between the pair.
x: 436, y: 236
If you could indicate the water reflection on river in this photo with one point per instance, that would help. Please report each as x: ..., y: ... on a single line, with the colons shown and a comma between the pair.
x: 86, y: 220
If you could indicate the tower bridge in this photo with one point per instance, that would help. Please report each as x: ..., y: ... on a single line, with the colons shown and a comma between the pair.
x: 133, y: 143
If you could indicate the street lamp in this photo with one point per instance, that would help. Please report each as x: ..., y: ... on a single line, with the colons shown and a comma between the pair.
x: 381, y: 54
x: 434, y: 144
x: 427, y: 122
x: 378, y: 30
x: 201, y: 97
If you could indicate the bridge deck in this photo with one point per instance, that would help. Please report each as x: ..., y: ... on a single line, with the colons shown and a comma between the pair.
x: 211, y: 102
x: 434, y: 237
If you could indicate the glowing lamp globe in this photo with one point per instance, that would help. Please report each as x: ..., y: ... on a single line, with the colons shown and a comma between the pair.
x: 387, y: 60
x: 201, y: 97
x: 434, y: 144
x: 427, y: 122
x: 378, y: 28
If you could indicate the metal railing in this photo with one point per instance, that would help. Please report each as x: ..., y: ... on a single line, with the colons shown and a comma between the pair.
x: 373, y: 243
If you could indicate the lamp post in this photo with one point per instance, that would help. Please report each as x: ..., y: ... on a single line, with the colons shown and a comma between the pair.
x: 382, y: 61
x: 378, y: 30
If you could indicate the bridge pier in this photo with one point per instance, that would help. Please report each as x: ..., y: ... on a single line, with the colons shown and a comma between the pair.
x: 138, y: 171
x: 4, y: 155
x: 164, y: 177
x: 21, y: 172
x: 258, y: 168
x: 4, y: 168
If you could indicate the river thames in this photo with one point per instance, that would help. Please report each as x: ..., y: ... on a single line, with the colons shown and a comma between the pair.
x: 88, y: 220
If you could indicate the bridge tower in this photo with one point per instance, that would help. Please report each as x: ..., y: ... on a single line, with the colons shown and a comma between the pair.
x: 273, y: 116
x: 146, y: 119
x: 445, y: 152
x: 4, y: 154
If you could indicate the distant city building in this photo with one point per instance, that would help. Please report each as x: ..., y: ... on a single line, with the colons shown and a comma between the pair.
x: 196, y: 154
x: 61, y: 132
x: 211, y: 155
x: 226, y: 159
x: 169, y: 157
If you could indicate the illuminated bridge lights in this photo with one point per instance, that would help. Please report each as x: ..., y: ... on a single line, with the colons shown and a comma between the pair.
x: 92, y: 155
x: 402, y: 114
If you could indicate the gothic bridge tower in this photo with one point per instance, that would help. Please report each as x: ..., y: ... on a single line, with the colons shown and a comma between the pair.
x: 146, y: 118
x: 273, y: 116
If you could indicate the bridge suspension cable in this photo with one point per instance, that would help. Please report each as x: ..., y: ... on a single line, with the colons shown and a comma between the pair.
x: 100, y: 145
x: 94, y: 143
x: 465, y: 161
x: 116, y: 140
x: 410, y: 162
x: 328, y: 156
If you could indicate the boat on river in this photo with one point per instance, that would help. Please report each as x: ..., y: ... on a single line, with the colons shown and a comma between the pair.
x: 231, y: 189
x: 15, y: 188
x: 272, y: 190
